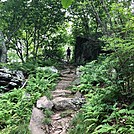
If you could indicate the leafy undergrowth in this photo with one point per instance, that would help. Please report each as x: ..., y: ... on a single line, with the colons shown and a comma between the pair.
x: 16, y: 106
x: 109, y: 108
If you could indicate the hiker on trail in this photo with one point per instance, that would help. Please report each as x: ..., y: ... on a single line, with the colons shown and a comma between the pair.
x: 68, y: 54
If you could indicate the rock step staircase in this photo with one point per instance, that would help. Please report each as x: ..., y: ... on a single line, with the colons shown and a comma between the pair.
x: 64, y: 105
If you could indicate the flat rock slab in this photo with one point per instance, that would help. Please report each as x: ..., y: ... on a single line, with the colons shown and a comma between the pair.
x: 56, y: 116
x: 36, y: 122
x: 68, y: 75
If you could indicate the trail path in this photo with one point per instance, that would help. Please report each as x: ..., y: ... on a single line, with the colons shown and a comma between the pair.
x: 60, y: 125
x: 65, y: 106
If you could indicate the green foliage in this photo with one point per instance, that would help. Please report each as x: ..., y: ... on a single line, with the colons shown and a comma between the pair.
x: 48, y: 62
x: 46, y: 121
x: 66, y: 3
x: 14, y: 109
x: 48, y: 113
x: 78, y: 129
x: 31, y: 66
x: 27, y: 68
x: 41, y: 82
x: 94, y: 74
x: 108, y: 82
x: 16, y: 106
x: 31, y: 26
x: 47, y: 118
x: 20, y: 129
x: 108, y: 109
x: 2, y: 65
x: 121, y: 43
x: 66, y: 113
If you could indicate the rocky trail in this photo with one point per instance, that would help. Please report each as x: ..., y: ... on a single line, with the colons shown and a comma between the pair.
x: 64, y: 106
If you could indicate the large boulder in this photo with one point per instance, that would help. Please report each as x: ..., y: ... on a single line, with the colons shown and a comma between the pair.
x: 10, y: 79
x: 87, y: 49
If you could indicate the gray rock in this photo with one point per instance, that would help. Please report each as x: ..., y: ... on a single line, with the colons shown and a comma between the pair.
x: 20, y: 76
x: 12, y: 84
x: 43, y: 102
x: 78, y: 71
x: 78, y: 95
x: 76, y: 81
x: 5, y: 75
x: 11, y: 79
x: 3, y: 83
x: 5, y: 70
x: 78, y: 102
x: 14, y: 79
x: 36, y: 122
x: 62, y: 103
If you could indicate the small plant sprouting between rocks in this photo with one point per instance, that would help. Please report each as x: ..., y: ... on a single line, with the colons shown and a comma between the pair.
x: 47, y: 118
x: 66, y: 113
x: 46, y: 121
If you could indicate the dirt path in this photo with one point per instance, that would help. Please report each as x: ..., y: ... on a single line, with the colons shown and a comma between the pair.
x: 65, y: 105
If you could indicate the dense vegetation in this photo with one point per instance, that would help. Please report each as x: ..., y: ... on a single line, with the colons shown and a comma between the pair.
x: 36, y: 33
x: 109, y: 108
x: 16, y: 106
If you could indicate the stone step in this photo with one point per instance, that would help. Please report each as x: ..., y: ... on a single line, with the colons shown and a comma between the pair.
x: 68, y: 75
x: 63, y: 85
x: 63, y: 103
x: 56, y: 116
x: 66, y: 78
x: 61, y: 93
x: 60, y: 125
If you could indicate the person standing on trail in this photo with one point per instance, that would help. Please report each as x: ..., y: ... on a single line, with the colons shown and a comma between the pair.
x: 68, y: 54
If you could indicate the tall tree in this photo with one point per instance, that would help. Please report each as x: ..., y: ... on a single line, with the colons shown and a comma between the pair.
x: 27, y: 22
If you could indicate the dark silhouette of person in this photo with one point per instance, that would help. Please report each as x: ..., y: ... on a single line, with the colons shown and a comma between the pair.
x: 68, y: 54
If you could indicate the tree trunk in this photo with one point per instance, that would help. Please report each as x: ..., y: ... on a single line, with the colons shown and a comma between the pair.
x: 99, y: 21
x: 3, y: 49
x: 107, y: 13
